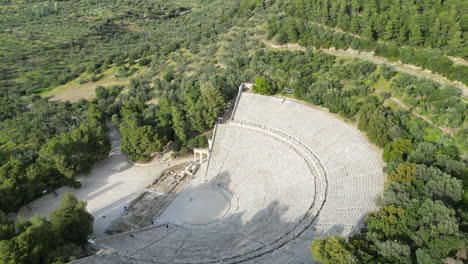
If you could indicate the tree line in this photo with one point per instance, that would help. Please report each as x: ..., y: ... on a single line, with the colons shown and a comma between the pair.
x: 433, y: 24
x: 186, y: 108
x: 58, y: 239
x: 45, y: 144
x: 422, y: 216
x: 195, y: 68
x: 384, y: 27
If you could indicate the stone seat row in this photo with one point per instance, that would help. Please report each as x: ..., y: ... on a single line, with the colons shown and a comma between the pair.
x: 297, y: 173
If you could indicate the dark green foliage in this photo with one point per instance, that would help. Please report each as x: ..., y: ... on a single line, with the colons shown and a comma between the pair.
x: 331, y: 250
x: 435, y: 25
x: 186, y: 106
x: 10, y: 106
x: 361, y: 69
x: 397, y: 150
x: 197, y: 56
x: 139, y: 88
x: 7, y: 227
x: 439, y: 156
x: 168, y: 76
x: 179, y: 124
x: 144, y: 61
x: 125, y: 71
x: 51, y: 143
x: 38, y: 240
x: 387, y: 72
x: 198, y: 142
x: 263, y: 85
x: 138, y: 140
x: 71, y: 221
x: 106, y: 93
x: 106, y: 99
x: 212, y: 102
x: 378, y: 122
x: 77, y: 150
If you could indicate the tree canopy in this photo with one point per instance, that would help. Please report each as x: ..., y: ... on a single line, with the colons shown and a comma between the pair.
x: 176, y: 65
x: 39, y: 240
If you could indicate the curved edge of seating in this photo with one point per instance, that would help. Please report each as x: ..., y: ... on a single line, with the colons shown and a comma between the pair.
x: 319, y: 195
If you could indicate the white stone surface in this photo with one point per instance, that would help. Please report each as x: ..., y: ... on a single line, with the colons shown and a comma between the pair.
x: 196, y: 205
x: 112, y: 184
x: 294, y: 174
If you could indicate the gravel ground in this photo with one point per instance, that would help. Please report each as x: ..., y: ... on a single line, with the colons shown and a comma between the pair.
x: 111, y: 185
x: 197, y: 204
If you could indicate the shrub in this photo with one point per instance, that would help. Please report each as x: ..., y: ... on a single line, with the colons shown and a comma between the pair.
x: 198, y: 142
x: 387, y: 71
x: 168, y: 75
x: 144, y: 62
x: 405, y: 172
x: 263, y: 85
x: 75, y: 184
x: 385, y: 95
x: 95, y: 78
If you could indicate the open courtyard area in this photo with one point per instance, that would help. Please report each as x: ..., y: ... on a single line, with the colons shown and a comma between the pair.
x: 197, y: 204
x: 280, y: 175
x: 111, y: 185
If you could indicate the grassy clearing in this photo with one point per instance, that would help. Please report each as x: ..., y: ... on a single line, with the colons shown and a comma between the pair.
x: 74, y: 91
x: 381, y: 85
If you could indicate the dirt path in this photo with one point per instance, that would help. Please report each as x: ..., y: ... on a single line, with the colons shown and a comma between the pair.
x: 398, y: 66
x: 288, y: 46
x: 456, y: 60
x: 369, y: 56
x: 409, y: 69
x: 112, y: 184
x: 400, y: 103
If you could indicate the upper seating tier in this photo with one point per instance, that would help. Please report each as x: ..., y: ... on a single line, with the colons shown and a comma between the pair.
x: 296, y: 173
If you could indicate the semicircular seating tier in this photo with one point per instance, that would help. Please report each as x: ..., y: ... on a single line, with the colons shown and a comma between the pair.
x: 295, y: 174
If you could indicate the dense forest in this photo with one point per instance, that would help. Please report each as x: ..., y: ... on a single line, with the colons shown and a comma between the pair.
x: 421, y: 33
x: 423, y: 24
x: 45, y: 144
x: 59, y: 239
x: 179, y: 64
x: 423, y: 216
